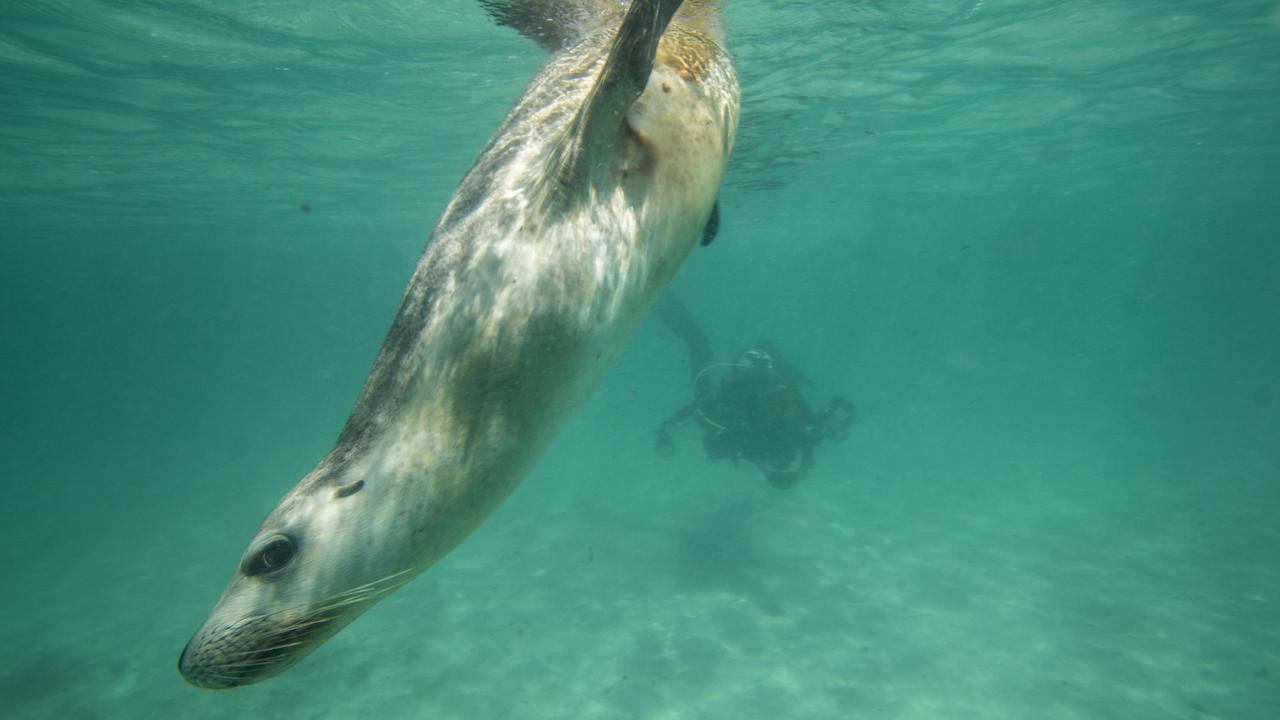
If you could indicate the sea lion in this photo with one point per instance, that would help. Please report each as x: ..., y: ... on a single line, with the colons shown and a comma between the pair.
x: 576, y: 215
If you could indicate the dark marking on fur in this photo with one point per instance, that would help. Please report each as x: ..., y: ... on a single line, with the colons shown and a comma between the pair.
x: 505, y: 385
x: 348, y: 490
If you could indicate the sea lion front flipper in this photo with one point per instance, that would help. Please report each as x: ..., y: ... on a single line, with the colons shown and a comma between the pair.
x: 621, y: 81
x: 713, y: 225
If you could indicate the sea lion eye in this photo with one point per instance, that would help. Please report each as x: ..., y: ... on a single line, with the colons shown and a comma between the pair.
x: 274, y: 555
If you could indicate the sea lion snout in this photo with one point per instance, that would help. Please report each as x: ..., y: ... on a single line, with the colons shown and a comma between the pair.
x: 254, y: 649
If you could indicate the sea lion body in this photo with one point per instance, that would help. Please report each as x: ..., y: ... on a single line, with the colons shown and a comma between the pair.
x: 575, y: 216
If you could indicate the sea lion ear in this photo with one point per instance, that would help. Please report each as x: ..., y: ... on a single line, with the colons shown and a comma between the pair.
x: 349, y: 489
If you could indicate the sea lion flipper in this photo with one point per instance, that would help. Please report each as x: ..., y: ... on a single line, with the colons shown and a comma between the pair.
x: 713, y: 225
x: 550, y: 23
x: 626, y: 71
x: 621, y: 80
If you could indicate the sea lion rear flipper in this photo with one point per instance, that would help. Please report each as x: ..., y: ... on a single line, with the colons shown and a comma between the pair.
x: 621, y: 81
x: 557, y: 24
x: 552, y: 24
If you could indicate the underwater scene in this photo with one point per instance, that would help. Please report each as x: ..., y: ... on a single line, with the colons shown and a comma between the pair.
x: 965, y: 403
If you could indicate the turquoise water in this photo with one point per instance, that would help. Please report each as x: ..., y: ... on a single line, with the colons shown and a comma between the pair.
x: 1033, y: 241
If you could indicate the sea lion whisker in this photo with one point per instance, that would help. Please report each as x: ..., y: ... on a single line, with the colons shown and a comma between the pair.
x: 303, y: 625
x: 226, y: 676
x: 367, y: 590
x: 242, y: 666
x: 249, y: 667
x: 373, y: 584
x: 353, y: 597
x: 232, y: 657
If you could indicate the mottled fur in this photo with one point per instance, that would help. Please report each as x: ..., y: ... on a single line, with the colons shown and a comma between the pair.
x: 553, y: 247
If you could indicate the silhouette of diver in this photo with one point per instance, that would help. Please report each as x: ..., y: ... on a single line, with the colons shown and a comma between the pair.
x: 750, y: 409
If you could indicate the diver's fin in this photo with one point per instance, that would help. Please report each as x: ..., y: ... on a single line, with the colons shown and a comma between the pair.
x: 621, y: 80
x: 553, y: 24
x: 713, y: 225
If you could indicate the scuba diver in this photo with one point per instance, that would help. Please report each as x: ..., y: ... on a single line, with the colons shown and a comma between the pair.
x: 750, y: 409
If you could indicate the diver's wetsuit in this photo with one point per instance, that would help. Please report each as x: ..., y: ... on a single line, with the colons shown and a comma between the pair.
x: 755, y: 412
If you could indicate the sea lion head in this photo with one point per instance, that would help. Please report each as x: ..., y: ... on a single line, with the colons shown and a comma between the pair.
x: 316, y: 563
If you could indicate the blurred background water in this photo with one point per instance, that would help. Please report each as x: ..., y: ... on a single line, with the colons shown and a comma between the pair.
x: 1033, y: 240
